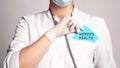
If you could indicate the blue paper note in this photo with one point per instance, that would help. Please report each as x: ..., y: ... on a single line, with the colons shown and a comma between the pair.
x: 86, y: 35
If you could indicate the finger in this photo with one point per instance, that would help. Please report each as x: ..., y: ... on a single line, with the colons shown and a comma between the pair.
x: 73, y: 26
x: 70, y: 24
x: 66, y: 19
x: 77, y: 28
x: 72, y: 31
x: 81, y: 28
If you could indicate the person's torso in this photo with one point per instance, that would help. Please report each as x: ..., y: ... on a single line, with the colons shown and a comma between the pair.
x: 58, y: 55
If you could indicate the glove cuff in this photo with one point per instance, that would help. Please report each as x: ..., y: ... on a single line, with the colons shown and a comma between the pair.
x: 50, y: 35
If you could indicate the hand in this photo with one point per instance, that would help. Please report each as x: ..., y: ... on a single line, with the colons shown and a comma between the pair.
x: 66, y: 26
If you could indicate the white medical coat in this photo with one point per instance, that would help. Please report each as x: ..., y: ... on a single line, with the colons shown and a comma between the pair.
x: 86, y: 54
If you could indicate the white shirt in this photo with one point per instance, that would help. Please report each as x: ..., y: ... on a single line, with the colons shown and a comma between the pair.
x: 86, y: 54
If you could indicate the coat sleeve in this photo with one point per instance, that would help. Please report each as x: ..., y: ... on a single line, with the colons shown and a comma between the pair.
x: 103, y: 55
x: 20, y: 40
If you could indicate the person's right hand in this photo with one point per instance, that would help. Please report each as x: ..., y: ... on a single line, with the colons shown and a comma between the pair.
x: 66, y: 26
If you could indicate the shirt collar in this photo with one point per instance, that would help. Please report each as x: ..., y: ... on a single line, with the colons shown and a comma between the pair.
x: 76, y: 14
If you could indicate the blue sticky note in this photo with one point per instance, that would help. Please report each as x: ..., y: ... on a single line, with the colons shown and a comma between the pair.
x: 86, y: 35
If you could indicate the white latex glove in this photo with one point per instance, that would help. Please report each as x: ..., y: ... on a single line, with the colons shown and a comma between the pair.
x: 66, y: 26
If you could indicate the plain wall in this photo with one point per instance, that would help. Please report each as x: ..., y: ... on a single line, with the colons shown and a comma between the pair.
x: 12, y: 10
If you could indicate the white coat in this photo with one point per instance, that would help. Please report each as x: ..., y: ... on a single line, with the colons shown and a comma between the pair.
x: 86, y: 54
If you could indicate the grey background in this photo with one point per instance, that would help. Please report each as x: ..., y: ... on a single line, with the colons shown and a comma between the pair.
x: 12, y: 10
